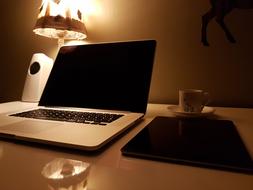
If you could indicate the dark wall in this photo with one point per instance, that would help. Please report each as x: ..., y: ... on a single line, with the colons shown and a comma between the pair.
x: 182, y: 61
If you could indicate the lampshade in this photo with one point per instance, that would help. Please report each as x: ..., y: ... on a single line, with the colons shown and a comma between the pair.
x: 61, y: 19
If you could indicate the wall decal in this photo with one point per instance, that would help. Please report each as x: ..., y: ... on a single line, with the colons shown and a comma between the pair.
x: 219, y: 9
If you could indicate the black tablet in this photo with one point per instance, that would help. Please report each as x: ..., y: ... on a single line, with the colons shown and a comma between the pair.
x: 197, y: 142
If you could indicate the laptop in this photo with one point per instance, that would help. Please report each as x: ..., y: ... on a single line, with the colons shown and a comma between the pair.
x: 94, y: 93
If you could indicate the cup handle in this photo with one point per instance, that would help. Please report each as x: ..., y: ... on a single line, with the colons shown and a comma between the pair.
x: 206, y: 98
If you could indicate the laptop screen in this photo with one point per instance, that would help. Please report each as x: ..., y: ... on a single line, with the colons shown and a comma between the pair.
x: 114, y: 76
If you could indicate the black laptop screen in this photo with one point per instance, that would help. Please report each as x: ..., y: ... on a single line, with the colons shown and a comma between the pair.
x: 112, y: 76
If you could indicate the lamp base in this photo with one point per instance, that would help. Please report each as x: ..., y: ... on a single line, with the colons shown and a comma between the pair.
x: 60, y: 42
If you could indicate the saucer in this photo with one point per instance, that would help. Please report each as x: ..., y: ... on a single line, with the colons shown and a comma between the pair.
x: 179, y: 113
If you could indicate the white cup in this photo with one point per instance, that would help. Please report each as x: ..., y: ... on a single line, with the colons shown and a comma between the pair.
x: 192, y: 100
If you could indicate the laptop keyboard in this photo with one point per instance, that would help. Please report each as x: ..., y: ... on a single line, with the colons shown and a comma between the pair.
x: 70, y: 116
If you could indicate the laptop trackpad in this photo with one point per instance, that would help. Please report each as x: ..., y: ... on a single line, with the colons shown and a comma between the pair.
x: 31, y: 127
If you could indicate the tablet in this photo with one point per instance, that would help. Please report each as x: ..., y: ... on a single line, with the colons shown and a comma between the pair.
x: 196, y: 142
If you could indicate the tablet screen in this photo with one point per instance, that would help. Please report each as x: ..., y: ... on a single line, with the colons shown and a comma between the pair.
x: 198, y: 142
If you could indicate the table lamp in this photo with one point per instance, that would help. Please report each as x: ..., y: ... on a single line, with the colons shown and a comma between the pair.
x: 60, y: 19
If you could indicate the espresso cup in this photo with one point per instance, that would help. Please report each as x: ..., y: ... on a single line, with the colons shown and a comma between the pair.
x: 192, y: 100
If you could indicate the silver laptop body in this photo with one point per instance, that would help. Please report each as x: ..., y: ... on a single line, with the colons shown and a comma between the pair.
x: 101, y: 79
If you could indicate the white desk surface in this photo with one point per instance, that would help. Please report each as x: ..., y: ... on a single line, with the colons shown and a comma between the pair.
x: 21, y: 164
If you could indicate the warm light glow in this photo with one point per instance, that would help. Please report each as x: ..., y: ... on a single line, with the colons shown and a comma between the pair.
x: 75, y: 42
x: 61, y: 19
x: 90, y: 8
x: 64, y: 8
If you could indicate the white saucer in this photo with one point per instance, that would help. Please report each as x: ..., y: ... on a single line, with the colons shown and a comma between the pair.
x: 205, y: 112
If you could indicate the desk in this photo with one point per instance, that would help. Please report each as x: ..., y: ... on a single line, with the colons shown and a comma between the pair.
x: 21, y: 164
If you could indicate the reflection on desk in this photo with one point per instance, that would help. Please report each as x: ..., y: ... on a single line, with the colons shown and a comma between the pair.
x: 21, y: 164
x: 66, y: 174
